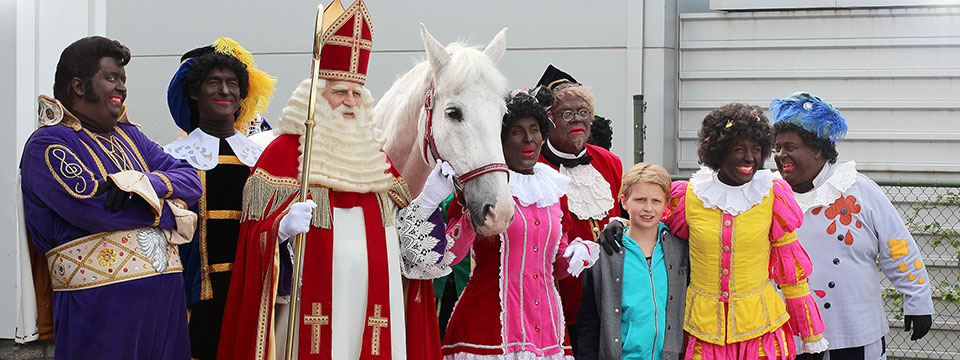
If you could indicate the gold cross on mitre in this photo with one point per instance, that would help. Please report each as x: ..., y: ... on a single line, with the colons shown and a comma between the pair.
x: 315, y: 321
x: 376, y: 322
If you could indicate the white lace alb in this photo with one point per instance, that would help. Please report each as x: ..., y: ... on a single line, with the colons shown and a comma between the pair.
x: 419, y: 260
x: 832, y: 181
x: 733, y: 200
x: 544, y: 187
x: 202, y: 150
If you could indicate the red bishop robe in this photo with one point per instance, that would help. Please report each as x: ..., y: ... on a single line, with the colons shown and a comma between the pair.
x: 610, y: 167
x: 361, y: 275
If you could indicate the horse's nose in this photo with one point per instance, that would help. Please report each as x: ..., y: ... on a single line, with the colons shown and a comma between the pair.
x: 483, y: 213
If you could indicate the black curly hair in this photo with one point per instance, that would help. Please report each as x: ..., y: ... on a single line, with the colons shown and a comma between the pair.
x: 82, y: 60
x: 601, y: 132
x: 729, y: 122
x: 533, y: 104
x: 202, y: 66
x: 826, y: 147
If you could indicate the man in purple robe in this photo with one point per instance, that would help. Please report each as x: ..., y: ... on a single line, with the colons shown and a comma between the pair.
x: 107, y: 206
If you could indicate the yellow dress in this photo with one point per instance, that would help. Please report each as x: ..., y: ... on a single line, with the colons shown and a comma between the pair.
x: 740, y: 238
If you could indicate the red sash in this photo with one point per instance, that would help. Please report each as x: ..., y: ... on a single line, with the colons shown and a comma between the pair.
x: 316, y: 300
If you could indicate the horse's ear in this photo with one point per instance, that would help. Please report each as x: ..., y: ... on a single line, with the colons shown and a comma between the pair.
x: 497, y: 46
x: 435, y: 51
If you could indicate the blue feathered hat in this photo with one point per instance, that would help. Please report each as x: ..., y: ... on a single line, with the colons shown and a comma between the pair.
x: 811, y: 113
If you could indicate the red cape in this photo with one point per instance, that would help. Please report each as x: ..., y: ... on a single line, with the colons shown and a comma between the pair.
x: 248, y: 324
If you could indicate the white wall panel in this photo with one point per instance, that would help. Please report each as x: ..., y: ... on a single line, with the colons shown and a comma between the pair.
x: 893, y: 73
x: 588, y: 41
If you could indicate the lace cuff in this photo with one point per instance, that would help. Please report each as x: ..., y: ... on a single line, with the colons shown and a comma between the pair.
x: 424, y: 247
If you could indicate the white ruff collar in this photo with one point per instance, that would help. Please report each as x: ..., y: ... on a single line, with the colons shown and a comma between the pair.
x: 733, y: 200
x: 832, y: 181
x: 564, y: 155
x: 544, y: 187
x: 202, y: 150
x: 589, y: 194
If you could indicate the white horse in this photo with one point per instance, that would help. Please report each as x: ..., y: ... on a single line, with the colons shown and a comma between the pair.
x: 468, y: 97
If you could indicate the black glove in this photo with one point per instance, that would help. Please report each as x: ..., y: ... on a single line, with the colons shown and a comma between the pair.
x: 921, y: 325
x: 116, y: 198
x: 611, y: 237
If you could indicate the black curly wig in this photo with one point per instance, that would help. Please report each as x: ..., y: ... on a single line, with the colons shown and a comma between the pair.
x: 826, y: 147
x: 729, y: 122
x: 601, y: 132
x: 202, y: 66
x: 533, y: 104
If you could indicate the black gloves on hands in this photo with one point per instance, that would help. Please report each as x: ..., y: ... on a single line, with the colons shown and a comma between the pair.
x: 116, y: 199
x: 611, y: 238
x: 921, y: 325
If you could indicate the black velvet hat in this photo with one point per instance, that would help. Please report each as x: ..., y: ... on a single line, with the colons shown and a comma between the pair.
x: 554, y: 77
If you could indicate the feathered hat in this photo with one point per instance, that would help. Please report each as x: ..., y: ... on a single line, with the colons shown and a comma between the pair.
x: 347, y: 40
x: 259, y: 90
x: 811, y: 113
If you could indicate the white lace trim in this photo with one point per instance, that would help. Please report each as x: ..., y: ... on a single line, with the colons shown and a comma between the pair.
x: 520, y: 355
x: 733, y: 200
x: 246, y: 150
x: 839, y: 178
x: 588, y: 195
x: 418, y: 259
x: 815, y: 347
x: 202, y: 150
x: 544, y: 187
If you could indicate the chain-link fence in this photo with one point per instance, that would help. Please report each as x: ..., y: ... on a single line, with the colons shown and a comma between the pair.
x: 931, y: 211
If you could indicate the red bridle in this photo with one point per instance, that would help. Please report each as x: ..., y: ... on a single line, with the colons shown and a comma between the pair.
x: 430, y: 148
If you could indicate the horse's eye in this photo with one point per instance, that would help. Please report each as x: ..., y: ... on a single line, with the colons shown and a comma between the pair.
x: 454, y: 113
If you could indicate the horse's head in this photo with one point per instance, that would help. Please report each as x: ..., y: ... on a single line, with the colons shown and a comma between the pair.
x: 468, y: 103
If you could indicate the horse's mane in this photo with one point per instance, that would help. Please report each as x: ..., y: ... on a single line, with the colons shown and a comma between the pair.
x: 467, y: 66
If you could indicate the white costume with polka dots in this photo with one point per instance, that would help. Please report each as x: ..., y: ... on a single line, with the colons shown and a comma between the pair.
x: 848, y: 222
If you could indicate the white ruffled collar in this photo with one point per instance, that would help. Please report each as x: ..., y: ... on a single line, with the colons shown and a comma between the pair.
x: 202, y: 150
x: 733, y: 200
x: 544, y: 187
x: 564, y: 155
x: 830, y: 183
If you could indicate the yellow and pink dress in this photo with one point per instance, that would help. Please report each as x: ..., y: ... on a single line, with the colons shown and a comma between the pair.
x: 740, y: 238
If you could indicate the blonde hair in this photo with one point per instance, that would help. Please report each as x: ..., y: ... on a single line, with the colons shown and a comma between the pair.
x: 568, y: 91
x: 645, y: 172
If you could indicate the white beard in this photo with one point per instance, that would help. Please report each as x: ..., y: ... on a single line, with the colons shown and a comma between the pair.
x: 346, y: 153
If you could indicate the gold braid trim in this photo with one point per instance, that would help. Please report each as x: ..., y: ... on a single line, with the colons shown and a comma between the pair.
x: 261, y: 188
x: 400, y: 193
x: 321, y: 214
x: 386, y: 208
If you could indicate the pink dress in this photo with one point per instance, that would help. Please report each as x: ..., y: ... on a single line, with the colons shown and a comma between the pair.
x: 511, y: 309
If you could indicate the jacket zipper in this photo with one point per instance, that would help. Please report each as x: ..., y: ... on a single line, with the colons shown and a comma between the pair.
x: 656, y: 323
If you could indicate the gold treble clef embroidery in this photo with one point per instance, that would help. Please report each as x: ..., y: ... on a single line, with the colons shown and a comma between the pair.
x: 70, y: 168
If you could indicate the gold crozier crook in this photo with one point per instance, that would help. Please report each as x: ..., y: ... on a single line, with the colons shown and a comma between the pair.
x: 292, y: 319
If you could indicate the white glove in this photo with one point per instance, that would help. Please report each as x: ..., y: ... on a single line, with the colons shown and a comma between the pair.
x: 581, y: 255
x: 439, y: 185
x: 297, y: 220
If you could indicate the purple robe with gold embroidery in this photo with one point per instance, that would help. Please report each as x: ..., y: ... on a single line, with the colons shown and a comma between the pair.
x: 62, y: 167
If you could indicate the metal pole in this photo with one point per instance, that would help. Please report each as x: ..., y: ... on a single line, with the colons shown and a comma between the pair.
x: 639, y: 129
x: 304, y: 177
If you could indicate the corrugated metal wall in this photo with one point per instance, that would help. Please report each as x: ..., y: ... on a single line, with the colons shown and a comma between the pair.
x: 894, y: 74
